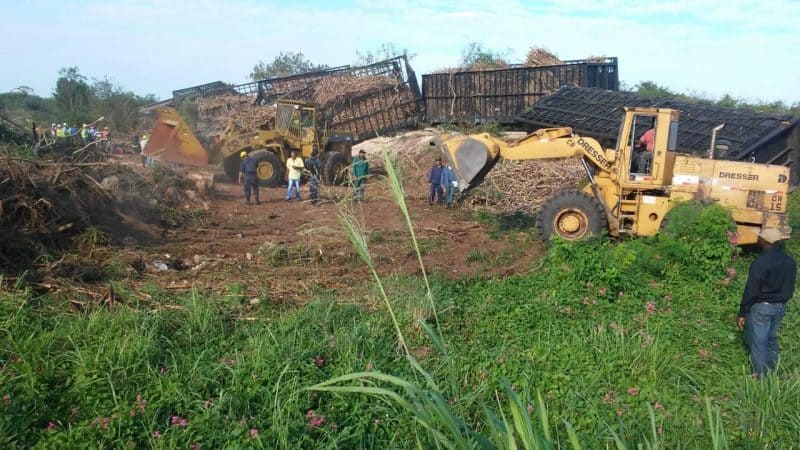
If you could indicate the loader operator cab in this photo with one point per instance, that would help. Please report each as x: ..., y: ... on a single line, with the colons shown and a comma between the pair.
x: 296, y: 119
x: 641, y: 141
x: 646, y: 135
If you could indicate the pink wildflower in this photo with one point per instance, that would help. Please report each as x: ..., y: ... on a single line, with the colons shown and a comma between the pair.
x: 319, y: 361
x: 141, y: 403
x: 731, y: 272
x: 162, y: 371
x: 650, y: 308
x: 254, y: 433
x: 102, y: 422
x: 314, y: 421
x: 633, y: 391
x: 51, y: 426
x: 7, y: 399
x: 179, y: 422
x: 703, y: 353
x: 609, y: 397
x: 658, y: 406
x: 196, y: 446
x: 156, y: 435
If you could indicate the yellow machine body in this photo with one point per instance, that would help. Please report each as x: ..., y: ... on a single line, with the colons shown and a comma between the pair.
x: 294, y: 128
x: 635, y: 198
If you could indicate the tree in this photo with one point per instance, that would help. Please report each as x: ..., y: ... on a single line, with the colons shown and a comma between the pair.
x: 118, y: 106
x: 24, y: 90
x: 387, y: 50
x: 285, y: 64
x: 72, y: 94
x: 476, y: 56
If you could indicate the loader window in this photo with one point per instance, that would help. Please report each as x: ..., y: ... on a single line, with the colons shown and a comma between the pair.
x: 306, y: 118
x: 642, y: 144
x: 672, y: 144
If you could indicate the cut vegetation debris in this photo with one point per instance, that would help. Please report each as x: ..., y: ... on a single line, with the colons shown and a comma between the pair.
x: 45, y: 205
x: 523, y: 186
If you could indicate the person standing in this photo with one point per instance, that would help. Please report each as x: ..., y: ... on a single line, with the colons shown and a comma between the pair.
x: 294, y: 167
x: 435, y: 180
x: 448, y: 181
x: 84, y: 134
x: 770, y: 285
x: 248, y: 177
x: 360, y: 174
x: 314, y: 167
x: 104, y: 138
x: 147, y: 161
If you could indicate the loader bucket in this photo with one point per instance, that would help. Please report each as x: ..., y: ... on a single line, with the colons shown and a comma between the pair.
x: 173, y: 141
x: 470, y: 158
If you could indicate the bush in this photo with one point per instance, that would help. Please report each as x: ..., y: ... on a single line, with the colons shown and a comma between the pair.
x: 697, y: 242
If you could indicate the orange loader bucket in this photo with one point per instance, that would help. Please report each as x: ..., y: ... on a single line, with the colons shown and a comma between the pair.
x: 173, y: 141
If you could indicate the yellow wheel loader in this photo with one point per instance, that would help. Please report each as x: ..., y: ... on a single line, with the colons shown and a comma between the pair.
x: 295, y: 128
x: 631, y: 188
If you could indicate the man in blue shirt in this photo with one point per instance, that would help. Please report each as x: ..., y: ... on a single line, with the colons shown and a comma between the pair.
x: 248, y: 177
x: 770, y: 286
x: 448, y: 181
x: 435, y: 179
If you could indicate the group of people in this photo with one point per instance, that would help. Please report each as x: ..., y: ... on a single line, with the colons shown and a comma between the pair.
x: 86, y: 134
x: 295, y: 169
x: 443, y: 183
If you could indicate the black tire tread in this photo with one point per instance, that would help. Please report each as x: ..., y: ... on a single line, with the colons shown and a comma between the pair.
x: 277, y: 167
x: 575, y: 199
x: 328, y: 167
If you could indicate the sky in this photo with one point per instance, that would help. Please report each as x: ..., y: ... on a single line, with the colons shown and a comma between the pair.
x: 746, y: 48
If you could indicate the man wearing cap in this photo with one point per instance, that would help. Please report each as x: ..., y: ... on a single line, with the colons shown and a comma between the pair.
x: 435, y: 180
x: 360, y: 174
x: 770, y: 285
x: 84, y: 133
x: 248, y: 177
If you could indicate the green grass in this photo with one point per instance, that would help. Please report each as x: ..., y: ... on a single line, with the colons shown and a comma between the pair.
x: 583, y: 359
x: 554, y: 358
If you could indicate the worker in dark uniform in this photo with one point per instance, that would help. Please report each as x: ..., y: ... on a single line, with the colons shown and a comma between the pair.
x: 248, y: 177
x: 770, y: 285
x: 314, y: 169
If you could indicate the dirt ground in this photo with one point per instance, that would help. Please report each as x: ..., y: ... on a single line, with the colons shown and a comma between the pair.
x: 285, y: 251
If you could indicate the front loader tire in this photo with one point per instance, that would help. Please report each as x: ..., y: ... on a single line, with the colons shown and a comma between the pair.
x: 270, y: 168
x: 334, y: 168
x: 572, y: 215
